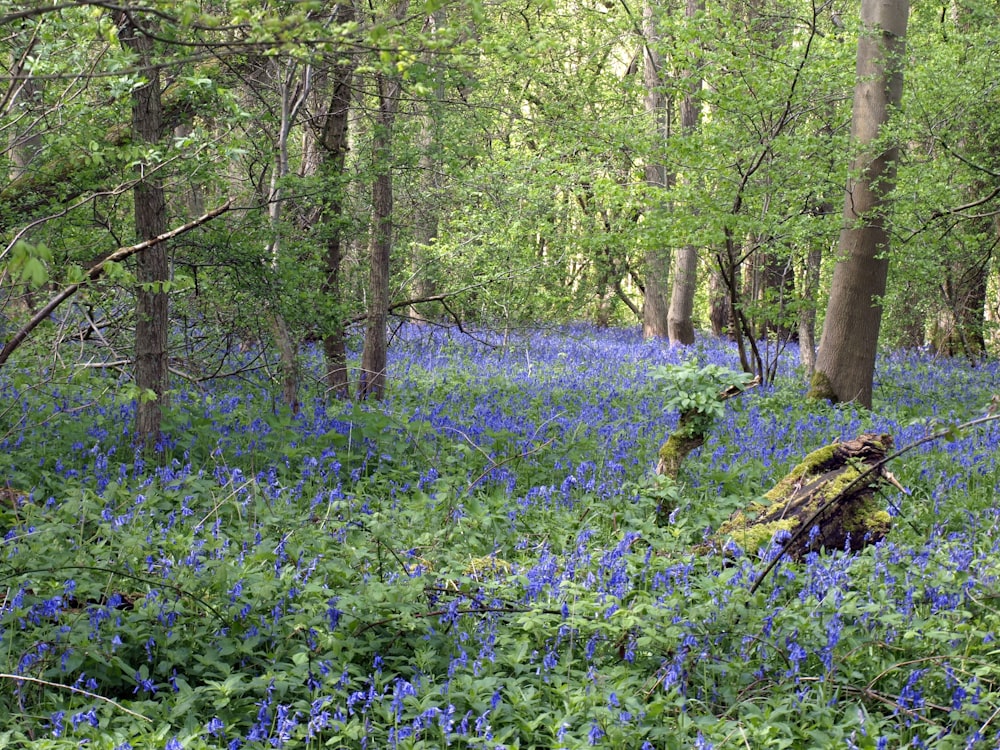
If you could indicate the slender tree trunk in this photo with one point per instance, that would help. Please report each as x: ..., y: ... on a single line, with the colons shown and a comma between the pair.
x: 718, y: 303
x: 25, y: 142
x: 374, y: 353
x: 807, y: 310
x: 657, y: 260
x: 193, y: 195
x: 680, y: 319
x: 960, y: 329
x: 294, y: 83
x: 680, y: 316
x: 845, y: 366
x: 332, y: 144
x: 152, y: 268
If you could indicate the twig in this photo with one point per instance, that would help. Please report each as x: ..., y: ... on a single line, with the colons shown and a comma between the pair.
x: 81, y: 691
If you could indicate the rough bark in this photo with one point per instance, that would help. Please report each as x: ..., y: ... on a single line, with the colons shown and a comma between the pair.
x: 845, y: 365
x: 828, y: 501
x: 680, y: 320
x: 657, y: 263
x: 153, y: 267
x: 331, y: 129
x: 374, y: 352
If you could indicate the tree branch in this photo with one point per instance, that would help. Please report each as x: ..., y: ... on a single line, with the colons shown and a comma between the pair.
x: 96, y: 272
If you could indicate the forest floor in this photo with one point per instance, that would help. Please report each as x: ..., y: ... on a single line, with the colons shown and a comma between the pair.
x: 477, y: 562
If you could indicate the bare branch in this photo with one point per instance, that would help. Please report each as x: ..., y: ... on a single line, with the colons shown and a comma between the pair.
x: 95, y: 273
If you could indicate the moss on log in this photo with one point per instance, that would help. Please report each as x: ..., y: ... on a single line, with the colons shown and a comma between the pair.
x: 681, y: 442
x: 825, y: 502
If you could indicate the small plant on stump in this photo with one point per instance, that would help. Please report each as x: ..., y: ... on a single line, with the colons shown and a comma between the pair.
x: 698, y: 393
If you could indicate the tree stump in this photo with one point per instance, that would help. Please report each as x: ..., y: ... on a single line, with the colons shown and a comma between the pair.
x: 685, y: 439
x: 824, y: 502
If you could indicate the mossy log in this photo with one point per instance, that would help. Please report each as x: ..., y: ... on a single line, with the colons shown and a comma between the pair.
x: 824, y: 502
x: 686, y: 438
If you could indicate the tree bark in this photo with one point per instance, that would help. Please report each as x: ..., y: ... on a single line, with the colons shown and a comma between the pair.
x: 809, y: 279
x: 828, y: 501
x: 845, y: 366
x: 332, y: 128
x: 153, y: 267
x: 25, y: 139
x: 680, y: 316
x: 657, y: 263
x: 718, y: 303
x: 293, y: 87
x: 374, y: 352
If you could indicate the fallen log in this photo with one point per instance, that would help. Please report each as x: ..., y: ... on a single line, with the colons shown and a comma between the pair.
x: 828, y: 501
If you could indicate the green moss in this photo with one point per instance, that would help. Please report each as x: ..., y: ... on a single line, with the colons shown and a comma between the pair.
x: 690, y: 434
x: 809, y: 467
x: 840, y: 483
x: 791, y: 497
x: 821, y: 388
x: 752, y: 538
x: 869, y: 518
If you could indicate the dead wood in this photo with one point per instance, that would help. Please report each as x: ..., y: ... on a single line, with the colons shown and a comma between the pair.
x: 828, y: 501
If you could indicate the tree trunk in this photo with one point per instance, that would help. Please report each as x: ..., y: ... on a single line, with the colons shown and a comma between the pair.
x: 293, y: 88
x: 654, y: 297
x: 960, y: 328
x: 845, y: 366
x: 25, y: 138
x: 374, y: 353
x: 332, y: 127
x: 152, y: 268
x: 25, y: 142
x: 680, y: 316
x: 807, y: 311
x: 718, y: 303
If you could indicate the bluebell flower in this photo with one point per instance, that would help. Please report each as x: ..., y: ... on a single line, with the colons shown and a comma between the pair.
x: 56, y: 721
x: 216, y: 727
x: 595, y: 734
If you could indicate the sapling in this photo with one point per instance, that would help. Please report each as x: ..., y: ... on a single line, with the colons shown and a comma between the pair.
x: 698, y: 393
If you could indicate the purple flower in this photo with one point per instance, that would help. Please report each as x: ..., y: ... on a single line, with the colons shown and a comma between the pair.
x: 595, y: 734
x: 56, y: 720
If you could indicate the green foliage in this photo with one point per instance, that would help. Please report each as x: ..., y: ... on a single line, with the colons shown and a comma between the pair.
x: 28, y: 263
x: 694, y: 391
x: 397, y: 571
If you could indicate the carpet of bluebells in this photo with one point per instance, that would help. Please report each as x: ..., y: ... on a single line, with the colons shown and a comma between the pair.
x: 477, y: 562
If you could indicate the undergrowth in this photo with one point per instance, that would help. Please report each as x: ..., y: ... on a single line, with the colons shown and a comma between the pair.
x: 477, y: 564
